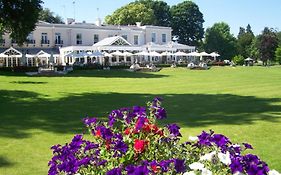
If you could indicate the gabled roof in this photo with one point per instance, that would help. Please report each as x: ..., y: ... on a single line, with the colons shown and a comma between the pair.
x: 12, y: 52
x: 113, y: 41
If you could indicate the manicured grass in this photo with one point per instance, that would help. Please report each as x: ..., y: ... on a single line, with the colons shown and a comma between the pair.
x: 37, y: 112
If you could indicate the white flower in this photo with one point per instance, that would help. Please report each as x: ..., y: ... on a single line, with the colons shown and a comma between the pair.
x: 206, y: 172
x: 273, y: 172
x: 238, y: 173
x: 191, y: 138
x: 189, y: 173
x: 196, y: 166
x: 208, y: 156
x: 225, y: 158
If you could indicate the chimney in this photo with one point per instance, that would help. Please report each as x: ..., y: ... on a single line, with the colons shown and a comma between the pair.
x: 98, y: 22
x: 138, y: 24
x: 69, y: 21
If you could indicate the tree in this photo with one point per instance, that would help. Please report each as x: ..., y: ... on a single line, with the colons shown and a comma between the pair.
x: 48, y: 16
x: 187, y: 22
x: 267, y: 44
x: 18, y: 17
x: 161, y: 10
x: 130, y: 14
x: 278, y: 55
x: 244, y: 41
x: 238, y: 59
x: 218, y: 39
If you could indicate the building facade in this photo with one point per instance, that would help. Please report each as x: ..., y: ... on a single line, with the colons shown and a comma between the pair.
x: 61, y: 39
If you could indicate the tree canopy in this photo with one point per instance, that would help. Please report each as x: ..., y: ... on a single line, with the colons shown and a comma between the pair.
x: 244, y: 41
x: 130, y: 14
x: 18, y: 17
x: 219, y: 39
x: 187, y: 22
x: 161, y: 11
x: 48, y: 16
x: 267, y: 44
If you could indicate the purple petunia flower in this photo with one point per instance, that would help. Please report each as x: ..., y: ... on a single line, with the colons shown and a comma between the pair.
x: 174, y: 130
x: 121, y: 147
x: 114, y: 171
x: 236, y: 165
x: 89, y: 121
x: 137, y: 170
x: 205, y: 138
x: 179, y: 165
x: 220, y: 140
x: 248, y: 146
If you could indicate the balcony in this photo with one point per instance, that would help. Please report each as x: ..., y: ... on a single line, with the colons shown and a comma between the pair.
x: 58, y: 42
x: 30, y: 41
x: 45, y: 41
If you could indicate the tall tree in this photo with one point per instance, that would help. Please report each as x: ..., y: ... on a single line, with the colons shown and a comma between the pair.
x: 48, y: 16
x: 267, y: 44
x: 130, y: 14
x: 244, y: 41
x: 218, y: 39
x: 187, y: 22
x: 278, y: 55
x: 161, y: 10
x: 18, y: 17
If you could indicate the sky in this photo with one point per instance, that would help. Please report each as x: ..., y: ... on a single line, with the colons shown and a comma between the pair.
x: 236, y: 13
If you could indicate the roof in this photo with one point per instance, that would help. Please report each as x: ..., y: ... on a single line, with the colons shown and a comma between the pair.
x: 113, y: 41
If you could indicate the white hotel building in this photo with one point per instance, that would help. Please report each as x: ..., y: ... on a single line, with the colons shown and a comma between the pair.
x: 72, y: 42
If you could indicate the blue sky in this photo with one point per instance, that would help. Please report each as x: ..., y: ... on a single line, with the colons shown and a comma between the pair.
x: 257, y: 13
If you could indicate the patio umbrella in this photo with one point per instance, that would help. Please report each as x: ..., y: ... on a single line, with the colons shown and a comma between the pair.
x: 117, y: 53
x: 166, y: 53
x: 195, y: 54
x: 127, y: 54
x: 142, y: 53
x: 248, y: 59
x: 214, y: 54
x: 204, y: 54
x: 107, y: 54
x: 155, y: 54
x: 179, y: 53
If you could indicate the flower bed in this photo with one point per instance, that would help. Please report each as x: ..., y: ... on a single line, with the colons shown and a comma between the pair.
x: 132, y: 143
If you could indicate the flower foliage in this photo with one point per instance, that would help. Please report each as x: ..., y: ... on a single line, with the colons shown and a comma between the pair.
x: 132, y: 143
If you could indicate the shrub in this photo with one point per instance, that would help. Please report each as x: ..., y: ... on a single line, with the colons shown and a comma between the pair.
x: 131, y: 142
x: 238, y: 60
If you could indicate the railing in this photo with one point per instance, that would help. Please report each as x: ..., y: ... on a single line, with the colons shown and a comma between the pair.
x: 30, y: 41
x: 59, y: 42
x: 45, y: 41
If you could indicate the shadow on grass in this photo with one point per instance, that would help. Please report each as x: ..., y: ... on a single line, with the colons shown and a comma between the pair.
x: 24, y: 110
x: 95, y: 73
x: 4, y: 162
x: 28, y: 82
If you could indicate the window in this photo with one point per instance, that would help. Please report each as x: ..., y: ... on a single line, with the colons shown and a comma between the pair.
x: 136, y: 40
x: 58, y: 38
x: 153, y: 37
x: 96, y: 38
x: 78, y: 38
x: 44, y: 38
x: 125, y: 37
x: 164, y: 38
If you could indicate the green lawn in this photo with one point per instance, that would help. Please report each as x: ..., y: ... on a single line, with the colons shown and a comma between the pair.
x: 37, y: 112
